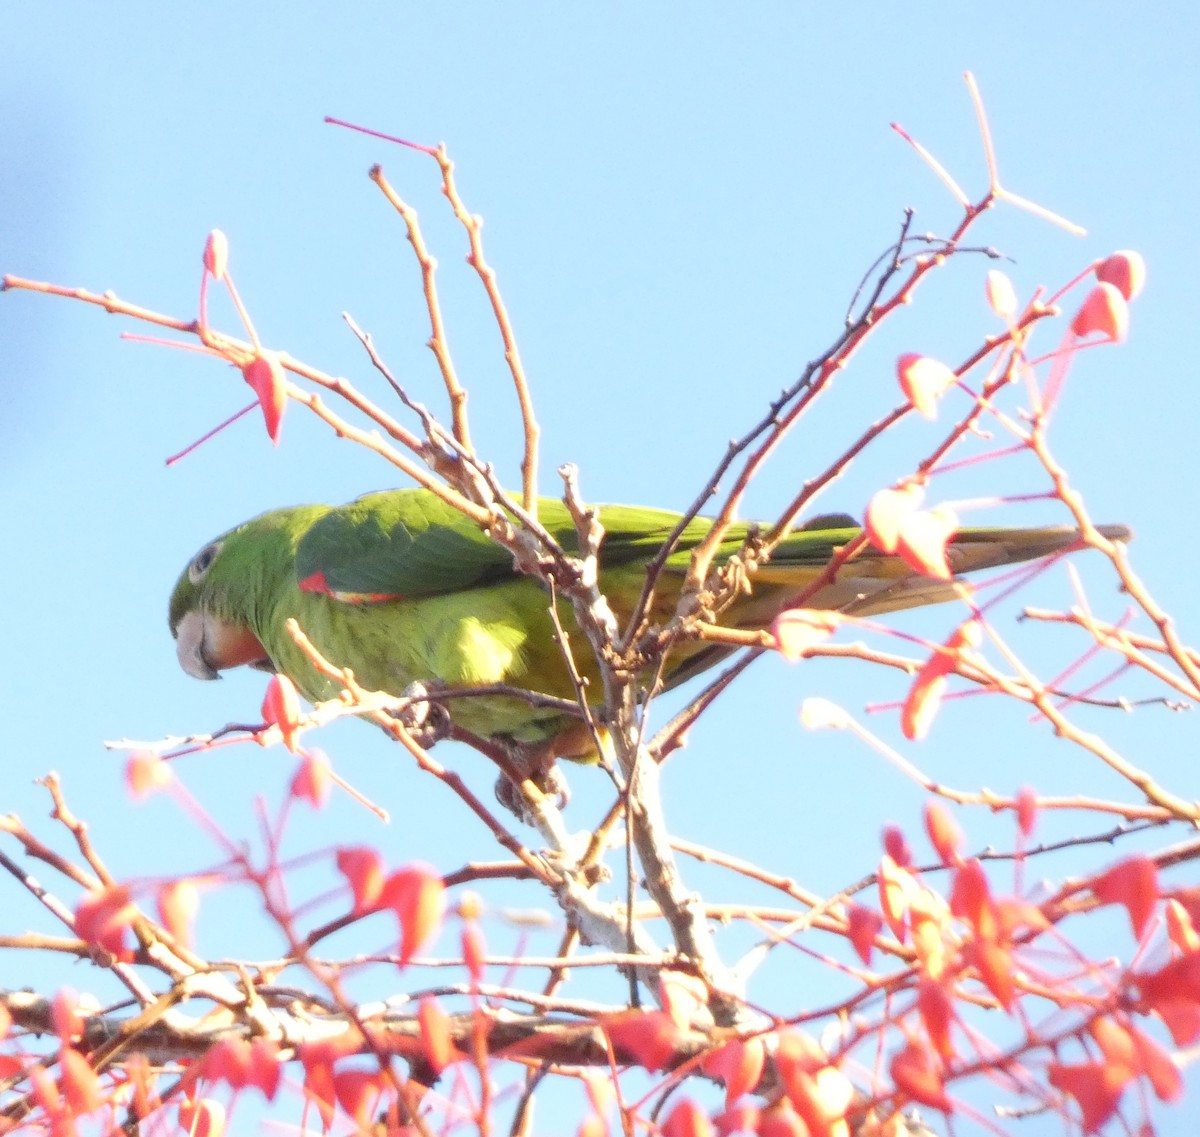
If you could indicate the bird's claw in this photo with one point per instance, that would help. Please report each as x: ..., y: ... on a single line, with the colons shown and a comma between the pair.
x: 426, y: 721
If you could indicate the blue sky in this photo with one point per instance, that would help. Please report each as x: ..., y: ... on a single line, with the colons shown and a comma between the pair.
x: 679, y: 202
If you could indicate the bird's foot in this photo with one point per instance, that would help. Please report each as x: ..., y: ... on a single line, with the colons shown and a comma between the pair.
x: 426, y: 721
x: 549, y: 781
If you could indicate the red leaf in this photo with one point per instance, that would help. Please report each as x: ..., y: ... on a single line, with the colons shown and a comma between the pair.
x: 363, y: 870
x: 1027, y: 806
x: 103, y: 916
x: 65, y: 1016
x: 1133, y: 883
x: 928, y: 917
x: 474, y: 950
x: 1104, y: 311
x: 643, y: 1038
x: 687, y: 1119
x: 922, y: 703
x: 820, y: 1093
x: 79, y: 1083
x: 781, y: 1120
x: 923, y: 539
x: 265, y: 1068
x: 971, y: 900
x: 739, y: 1064
x: 318, y: 1059
x: 146, y: 773
x: 1125, y: 270
x: 203, y: 1118
x: 944, y: 833
x: 1156, y: 1064
x: 864, y: 925
x: 1181, y: 1019
x: 281, y: 708
x: 437, y: 1042
x: 241, y: 1064
x: 1180, y: 929
x: 798, y: 630
x: 741, y: 1118
x: 358, y: 1092
x: 1094, y: 1086
x: 924, y: 380
x: 887, y: 512
x: 936, y: 1009
x: 995, y: 969
x: 417, y: 896
x: 795, y: 1051
x: 312, y: 781
x: 1173, y: 991
x: 896, y: 846
x: 265, y: 375
x: 45, y: 1090
x: 1012, y: 913
x: 216, y: 254
x: 896, y: 887
x: 178, y: 903
x: 1116, y: 1043
x: 916, y: 1077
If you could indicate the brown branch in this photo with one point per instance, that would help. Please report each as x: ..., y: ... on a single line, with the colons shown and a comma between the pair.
x: 512, y: 356
x: 437, y: 340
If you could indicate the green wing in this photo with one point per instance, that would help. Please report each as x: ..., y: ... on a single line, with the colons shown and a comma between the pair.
x: 408, y: 543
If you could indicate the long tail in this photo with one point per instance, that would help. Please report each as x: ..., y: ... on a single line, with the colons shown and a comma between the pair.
x: 876, y: 582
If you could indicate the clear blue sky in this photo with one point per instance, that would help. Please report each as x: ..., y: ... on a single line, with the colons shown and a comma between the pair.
x: 679, y: 203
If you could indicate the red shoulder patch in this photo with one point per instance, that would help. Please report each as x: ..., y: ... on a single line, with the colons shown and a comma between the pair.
x: 316, y: 582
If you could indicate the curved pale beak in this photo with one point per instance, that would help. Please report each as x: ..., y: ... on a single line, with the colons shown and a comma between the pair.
x: 206, y: 646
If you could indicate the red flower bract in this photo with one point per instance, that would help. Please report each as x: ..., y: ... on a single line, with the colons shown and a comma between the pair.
x: 924, y: 380
x: 363, y: 870
x: 265, y: 375
x: 416, y: 894
x: 1001, y: 295
x: 103, y: 916
x: 281, y: 708
x: 1125, y: 270
x: 1134, y: 884
x: 216, y: 254
x: 1104, y: 311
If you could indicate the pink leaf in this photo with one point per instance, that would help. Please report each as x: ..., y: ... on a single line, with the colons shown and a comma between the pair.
x: 916, y: 1076
x: 417, y: 895
x: 281, y: 708
x: 216, y: 254
x: 1125, y: 270
x: 798, y: 630
x: 924, y: 380
x: 887, y: 512
x: 1001, y: 295
x: 1134, y: 884
x: 363, y: 870
x: 1104, y: 311
x: 265, y: 375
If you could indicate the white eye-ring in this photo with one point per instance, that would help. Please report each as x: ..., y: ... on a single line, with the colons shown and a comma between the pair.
x: 202, y: 562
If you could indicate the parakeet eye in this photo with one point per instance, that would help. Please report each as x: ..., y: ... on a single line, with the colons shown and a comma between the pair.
x: 202, y: 562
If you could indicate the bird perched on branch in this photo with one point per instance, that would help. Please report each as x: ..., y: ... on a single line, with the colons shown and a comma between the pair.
x: 404, y: 589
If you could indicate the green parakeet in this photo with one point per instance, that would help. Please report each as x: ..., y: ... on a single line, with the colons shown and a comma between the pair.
x: 403, y: 589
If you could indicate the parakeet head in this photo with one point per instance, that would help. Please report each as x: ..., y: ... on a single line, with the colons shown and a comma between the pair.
x: 229, y: 587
